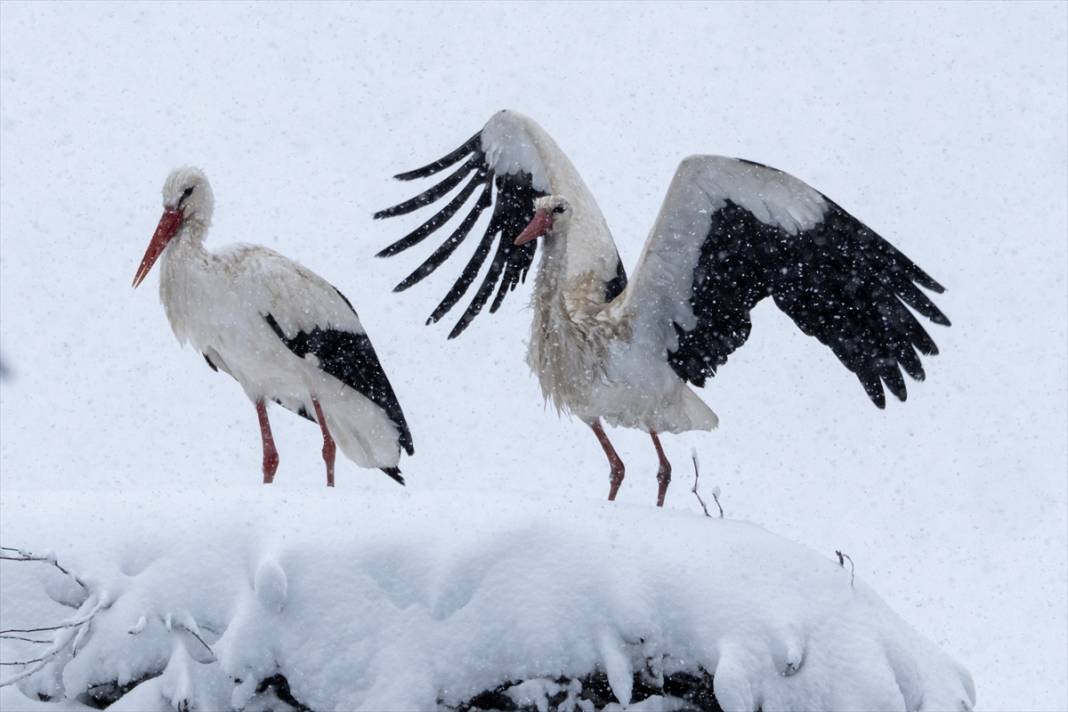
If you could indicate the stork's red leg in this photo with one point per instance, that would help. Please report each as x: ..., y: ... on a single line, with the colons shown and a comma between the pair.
x: 329, y: 449
x: 618, y: 469
x: 663, y: 476
x: 270, y: 454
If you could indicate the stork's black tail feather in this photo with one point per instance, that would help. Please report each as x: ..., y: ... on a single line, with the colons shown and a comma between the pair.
x: 395, y: 473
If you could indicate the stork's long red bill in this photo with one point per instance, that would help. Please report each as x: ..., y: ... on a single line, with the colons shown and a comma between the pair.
x: 168, y: 226
x: 538, y: 226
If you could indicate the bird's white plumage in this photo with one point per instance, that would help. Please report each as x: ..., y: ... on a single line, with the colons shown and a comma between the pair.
x: 658, y: 294
x: 773, y: 197
x: 514, y: 143
x: 581, y: 351
x: 729, y: 234
x: 218, y: 301
x: 609, y: 360
x: 239, y: 284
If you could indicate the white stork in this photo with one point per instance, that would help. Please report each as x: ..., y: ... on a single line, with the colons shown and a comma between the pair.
x: 284, y: 333
x: 730, y: 232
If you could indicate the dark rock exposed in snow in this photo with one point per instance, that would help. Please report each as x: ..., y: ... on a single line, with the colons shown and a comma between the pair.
x: 680, y: 691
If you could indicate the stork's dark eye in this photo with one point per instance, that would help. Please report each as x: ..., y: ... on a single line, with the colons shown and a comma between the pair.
x: 185, y: 194
x: 559, y: 209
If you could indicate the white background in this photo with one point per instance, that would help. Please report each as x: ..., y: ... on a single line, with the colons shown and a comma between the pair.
x: 942, y: 127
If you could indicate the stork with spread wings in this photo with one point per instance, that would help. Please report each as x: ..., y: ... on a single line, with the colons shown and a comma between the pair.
x: 730, y: 233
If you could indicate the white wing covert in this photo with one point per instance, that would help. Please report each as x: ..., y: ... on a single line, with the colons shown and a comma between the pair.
x: 731, y: 232
x: 312, y: 317
x: 297, y: 298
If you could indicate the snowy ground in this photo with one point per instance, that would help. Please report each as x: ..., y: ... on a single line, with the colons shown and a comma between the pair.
x: 362, y: 603
x: 942, y: 126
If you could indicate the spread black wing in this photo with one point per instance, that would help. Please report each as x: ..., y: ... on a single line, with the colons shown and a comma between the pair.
x: 511, y: 195
x: 837, y: 279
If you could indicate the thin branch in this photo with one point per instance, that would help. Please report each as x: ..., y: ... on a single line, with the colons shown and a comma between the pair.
x: 21, y: 555
x: 196, y: 635
x: 82, y: 633
x: 171, y: 624
x: 25, y: 662
x: 28, y: 640
x: 715, y: 490
x: 73, y: 623
x: 33, y: 670
x: 185, y: 622
x: 60, y: 643
x: 61, y: 626
x: 696, y: 476
x: 69, y: 632
x: 852, y: 568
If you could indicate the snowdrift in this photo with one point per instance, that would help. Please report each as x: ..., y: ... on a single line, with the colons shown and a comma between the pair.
x: 274, y: 598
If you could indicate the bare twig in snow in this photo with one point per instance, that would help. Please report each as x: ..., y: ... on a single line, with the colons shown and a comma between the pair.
x: 188, y: 631
x: 187, y: 624
x: 203, y: 642
x: 852, y: 568
x: 24, y: 662
x: 12, y: 554
x: 715, y: 490
x: 79, y: 637
x: 72, y: 623
x: 69, y: 634
x: 57, y: 647
x: 24, y: 639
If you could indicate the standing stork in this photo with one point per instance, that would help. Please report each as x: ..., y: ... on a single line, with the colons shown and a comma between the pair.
x: 283, y: 332
x: 730, y: 232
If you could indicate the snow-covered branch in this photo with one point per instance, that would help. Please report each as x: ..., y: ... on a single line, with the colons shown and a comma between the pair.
x: 25, y: 639
x: 715, y: 490
x: 70, y: 623
x: 166, y: 643
x: 69, y: 634
x: 69, y: 637
x: 8, y: 553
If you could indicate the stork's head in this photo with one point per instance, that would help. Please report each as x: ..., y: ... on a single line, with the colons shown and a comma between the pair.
x: 187, y: 198
x: 187, y: 191
x: 552, y: 215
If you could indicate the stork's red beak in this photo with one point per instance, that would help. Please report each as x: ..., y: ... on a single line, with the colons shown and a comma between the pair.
x: 541, y: 224
x: 168, y: 226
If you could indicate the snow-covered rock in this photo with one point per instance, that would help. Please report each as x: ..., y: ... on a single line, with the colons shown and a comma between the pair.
x: 340, y: 600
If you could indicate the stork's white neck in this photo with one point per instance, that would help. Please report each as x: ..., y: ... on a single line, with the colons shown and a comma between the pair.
x: 581, y: 251
x: 569, y: 331
x: 185, y: 270
x: 192, y: 231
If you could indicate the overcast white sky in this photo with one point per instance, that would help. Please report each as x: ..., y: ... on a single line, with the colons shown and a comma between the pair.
x: 941, y: 126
